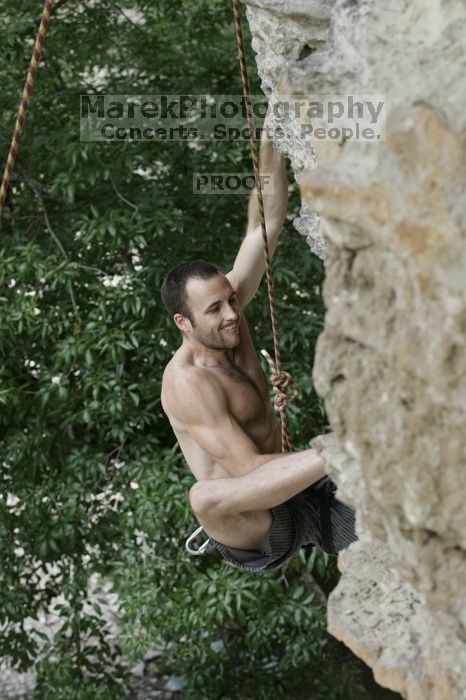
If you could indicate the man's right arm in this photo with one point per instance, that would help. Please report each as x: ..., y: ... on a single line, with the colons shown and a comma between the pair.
x: 199, y: 402
x: 261, y: 481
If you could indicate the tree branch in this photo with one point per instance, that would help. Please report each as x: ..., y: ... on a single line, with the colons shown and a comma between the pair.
x: 35, y: 185
x: 123, y: 199
x: 55, y: 238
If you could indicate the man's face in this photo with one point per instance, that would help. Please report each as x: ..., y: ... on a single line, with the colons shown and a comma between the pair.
x: 215, y: 312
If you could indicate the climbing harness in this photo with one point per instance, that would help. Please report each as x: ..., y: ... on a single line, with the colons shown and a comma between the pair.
x: 21, y: 116
x: 282, y: 382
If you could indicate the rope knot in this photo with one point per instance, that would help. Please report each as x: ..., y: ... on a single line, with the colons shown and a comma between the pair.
x: 283, y: 384
x: 285, y: 389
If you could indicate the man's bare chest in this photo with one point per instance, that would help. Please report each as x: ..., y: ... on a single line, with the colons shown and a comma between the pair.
x: 247, y: 395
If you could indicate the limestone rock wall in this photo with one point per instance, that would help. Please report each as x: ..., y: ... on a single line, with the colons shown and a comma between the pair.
x: 391, y: 361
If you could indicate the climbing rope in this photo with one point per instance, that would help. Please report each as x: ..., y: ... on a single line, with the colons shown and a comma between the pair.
x: 285, y: 391
x: 282, y: 382
x: 21, y: 116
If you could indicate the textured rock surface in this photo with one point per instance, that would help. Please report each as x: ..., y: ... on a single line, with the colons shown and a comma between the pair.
x: 279, y: 44
x: 390, y: 363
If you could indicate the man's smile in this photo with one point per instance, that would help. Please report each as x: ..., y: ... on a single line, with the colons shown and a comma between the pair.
x: 231, y: 327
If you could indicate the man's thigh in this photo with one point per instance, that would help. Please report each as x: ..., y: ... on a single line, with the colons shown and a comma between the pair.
x: 242, y: 531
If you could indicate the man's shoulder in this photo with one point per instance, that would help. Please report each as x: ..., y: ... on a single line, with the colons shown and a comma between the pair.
x: 181, y: 370
x: 187, y: 387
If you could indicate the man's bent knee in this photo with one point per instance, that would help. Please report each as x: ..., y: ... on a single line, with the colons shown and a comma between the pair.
x: 207, y: 507
x: 202, y: 499
x: 210, y: 502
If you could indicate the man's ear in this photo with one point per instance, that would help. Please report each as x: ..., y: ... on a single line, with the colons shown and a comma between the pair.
x: 183, y: 323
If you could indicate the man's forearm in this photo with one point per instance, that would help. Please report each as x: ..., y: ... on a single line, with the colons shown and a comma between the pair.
x: 249, y: 266
x: 271, y: 162
x: 272, y: 479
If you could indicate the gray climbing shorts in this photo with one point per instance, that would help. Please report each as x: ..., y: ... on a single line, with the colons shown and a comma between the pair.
x: 312, y: 517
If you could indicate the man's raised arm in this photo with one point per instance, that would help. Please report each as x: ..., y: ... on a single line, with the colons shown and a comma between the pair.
x: 249, y: 266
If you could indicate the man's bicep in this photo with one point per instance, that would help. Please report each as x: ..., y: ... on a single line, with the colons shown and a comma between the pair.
x: 224, y: 441
x: 202, y: 407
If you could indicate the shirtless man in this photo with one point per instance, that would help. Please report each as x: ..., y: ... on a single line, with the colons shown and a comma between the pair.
x: 216, y: 398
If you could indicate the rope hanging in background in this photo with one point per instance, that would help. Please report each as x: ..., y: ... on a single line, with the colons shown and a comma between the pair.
x: 21, y: 116
x: 282, y: 382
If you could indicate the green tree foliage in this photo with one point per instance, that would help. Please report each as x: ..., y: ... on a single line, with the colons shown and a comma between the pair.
x: 89, y: 480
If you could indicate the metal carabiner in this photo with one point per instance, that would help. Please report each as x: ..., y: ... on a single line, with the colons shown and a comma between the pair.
x: 191, y: 538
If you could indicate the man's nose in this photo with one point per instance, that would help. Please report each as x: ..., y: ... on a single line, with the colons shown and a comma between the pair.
x: 231, y: 314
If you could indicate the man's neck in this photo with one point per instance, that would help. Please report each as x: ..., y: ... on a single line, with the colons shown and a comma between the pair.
x: 207, y: 357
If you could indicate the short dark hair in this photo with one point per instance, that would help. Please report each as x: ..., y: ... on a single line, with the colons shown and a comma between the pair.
x: 173, y: 289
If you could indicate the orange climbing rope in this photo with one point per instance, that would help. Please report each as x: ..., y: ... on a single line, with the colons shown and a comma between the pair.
x: 21, y: 116
x: 282, y: 382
